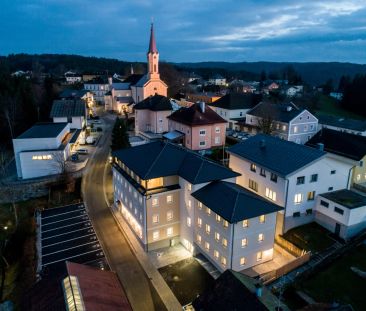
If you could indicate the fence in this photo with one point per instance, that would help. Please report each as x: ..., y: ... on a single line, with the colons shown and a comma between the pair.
x: 290, y: 247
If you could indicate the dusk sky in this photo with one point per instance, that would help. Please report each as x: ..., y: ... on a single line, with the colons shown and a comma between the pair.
x: 188, y: 30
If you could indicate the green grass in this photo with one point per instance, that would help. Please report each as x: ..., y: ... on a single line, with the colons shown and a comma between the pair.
x: 310, y: 237
x: 339, y: 283
x: 329, y: 105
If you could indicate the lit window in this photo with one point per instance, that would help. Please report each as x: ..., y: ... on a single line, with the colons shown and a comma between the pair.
x: 189, y: 203
x: 217, y: 236
x: 169, y: 215
x: 189, y: 187
x: 208, y: 211
x: 199, y: 222
x: 244, y: 242
x: 199, y: 205
x: 223, y: 261
x: 298, y: 198
x: 155, y: 235
x: 155, y: 218
x: 295, y: 129
x: 283, y: 127
x: 259, y: 256
x: 189, y: 222
x: 226, y: 224
x: 224, y: 242
x: 199, y: 238
x: 169, y: 231
x: 169, y: 199
x: 253, y: 185
x: 218, y: 218
x: 242, y: 261
x: 216, y: 254
x: 155, y: 202
x: 245, y: 223
x: 262, y: 219
x: 260, y: 237
x: 208, y: 229
x: 207, y: 246
x: 129, y: 189
x: 253, y: 167
x: 270, y: 194
x: 311, y: 196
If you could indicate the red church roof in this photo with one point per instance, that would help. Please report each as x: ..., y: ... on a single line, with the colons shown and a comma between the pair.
x: 152, y: 45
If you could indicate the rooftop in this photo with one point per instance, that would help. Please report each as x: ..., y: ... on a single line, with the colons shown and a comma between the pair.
x: 351, y: 124
x: 155, y: 103
x: 195, y: 115
x: 68, y: 108
x: 133, y: 79
x: 346, y: 198
x: 159, y: 159
x: 71, y: 93
x: 343, y: 144
x: 43, y: 130
x: 277, y: 155
x: 234, y: 101
x: 233, y: 202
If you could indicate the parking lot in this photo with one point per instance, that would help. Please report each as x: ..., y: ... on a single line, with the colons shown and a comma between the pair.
x: 66, y: 233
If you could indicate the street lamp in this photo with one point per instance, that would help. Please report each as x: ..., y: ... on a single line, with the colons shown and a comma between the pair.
x: 5, y: 227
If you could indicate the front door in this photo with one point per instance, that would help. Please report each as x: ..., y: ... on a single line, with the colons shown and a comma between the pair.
x: 337, y: 229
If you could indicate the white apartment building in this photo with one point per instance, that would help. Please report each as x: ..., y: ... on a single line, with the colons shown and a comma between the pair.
x: 286, y: 121
x: 161, y: 190
x: 289, y: 174
x: 99, y: 87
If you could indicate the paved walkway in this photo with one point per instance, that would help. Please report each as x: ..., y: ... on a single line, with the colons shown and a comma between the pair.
x: 169, y: 255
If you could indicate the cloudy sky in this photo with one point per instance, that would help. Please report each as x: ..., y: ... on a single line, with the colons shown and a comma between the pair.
x: 188, y: 30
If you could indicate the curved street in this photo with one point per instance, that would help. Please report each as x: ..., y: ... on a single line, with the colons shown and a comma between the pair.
x: 120, y: 257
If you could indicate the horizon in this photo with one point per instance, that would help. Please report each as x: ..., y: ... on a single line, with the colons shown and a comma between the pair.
x: 189, y: 31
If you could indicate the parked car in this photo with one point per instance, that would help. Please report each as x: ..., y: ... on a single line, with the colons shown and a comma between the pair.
x: 90, y: 140
x: 82, y: 151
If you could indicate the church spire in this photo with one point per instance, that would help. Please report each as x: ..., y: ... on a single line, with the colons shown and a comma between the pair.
x: 152, y: 45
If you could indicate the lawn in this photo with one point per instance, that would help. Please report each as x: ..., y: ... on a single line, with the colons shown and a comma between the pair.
x: 339, y: 283
x: 310, y: 237
x: 329, y: 105
x: 187, y: 279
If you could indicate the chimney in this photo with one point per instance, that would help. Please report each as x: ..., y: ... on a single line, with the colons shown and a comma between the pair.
x: 262, y: 144
x: 202, y: 106
x: 110, y: 80
x: 320, y: 146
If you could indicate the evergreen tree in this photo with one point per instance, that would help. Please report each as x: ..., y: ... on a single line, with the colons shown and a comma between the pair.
x: 119, y: 135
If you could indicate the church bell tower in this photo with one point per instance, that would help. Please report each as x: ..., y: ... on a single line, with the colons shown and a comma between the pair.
x: 153, y: 57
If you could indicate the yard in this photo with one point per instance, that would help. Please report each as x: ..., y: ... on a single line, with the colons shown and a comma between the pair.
x: 187, y: 279
x: 338, y: 283
x: 310, y: 237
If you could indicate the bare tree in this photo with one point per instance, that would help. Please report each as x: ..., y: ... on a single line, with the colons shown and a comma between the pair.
x: 5, y: 157
x: 266, y: 124
x: 60, y: 165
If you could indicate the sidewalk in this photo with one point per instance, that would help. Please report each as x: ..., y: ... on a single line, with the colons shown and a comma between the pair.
x: 165, y: 293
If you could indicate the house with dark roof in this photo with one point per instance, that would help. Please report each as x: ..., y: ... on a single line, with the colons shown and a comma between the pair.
x: 72, y: 111
x: 43, y: 149
x: 288, y: 174
x: 151, y: 115
x: 341, y: 124
x: 217, y: 79
x: 99, y: 86
x: 198, y: 127
x: 234, y: 106
x: 285, y: 120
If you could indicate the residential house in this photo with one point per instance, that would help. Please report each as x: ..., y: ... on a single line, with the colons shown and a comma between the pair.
x: 291, y: 175
x: 88, y: 76
x: 217, y: 79
x: 72, y: 77
x: 99, y: 86
x: 119, y: 98
x: 72, y: 111
x: 234, y: 106
x: 285, y: 121
x: 169, y: 194
x: 198, y: 127
x: 294, y: 90
x: 43, y: 149
x: 85, y: 95
x: 151, y: 115
x: 336, y: 95
x: 341, y: 124
x: 202, y: 97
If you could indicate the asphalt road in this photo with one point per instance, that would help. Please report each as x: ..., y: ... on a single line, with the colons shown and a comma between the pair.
x: 121, y: 259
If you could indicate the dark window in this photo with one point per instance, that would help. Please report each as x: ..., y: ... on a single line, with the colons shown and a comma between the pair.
x: 333, y: 172
x: 274, y: 177
x: 253, y: 167
x: 323, y: 203
x: 263, y: 172
x: 253, y: 185
x: 296, y: 214
x: 330, y: 188
x: 300, y: 180
x: 314, y: 178
x: 309, y: 211
x: 338, y: 210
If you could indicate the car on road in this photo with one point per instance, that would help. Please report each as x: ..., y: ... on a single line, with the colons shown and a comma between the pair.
x: 82, y: 151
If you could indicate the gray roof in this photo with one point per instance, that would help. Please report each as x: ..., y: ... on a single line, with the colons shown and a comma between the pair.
x: 278, y: 112
x: 234, y: 101
x: 43, y: 130
x: 68, y: 108
x: 155, y: 103
x: 346, y: 198
x: 159, y: 159
x: 142, y: 81
x: 71, y: 93
x: 121, y: 86
x: 233, y: 202
x: 351, y: 124
x: 277, y: 155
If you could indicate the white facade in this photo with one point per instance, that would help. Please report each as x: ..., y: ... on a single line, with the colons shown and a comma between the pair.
x: 229, y: 114
x: 75, y: 122
x: 98, y: 89
x: 217, y: 81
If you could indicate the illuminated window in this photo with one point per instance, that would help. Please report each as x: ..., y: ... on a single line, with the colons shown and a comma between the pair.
x: 223, y: 261
x: 262, y: 219
x: 169, y: 215
x: 224, y: 242
x: 199, y: 222
x: 169, y: 199
x: 217, y: 236
x: 245, y: 223
x: 208, y: 211
x: 216, y: 254
x: 260, y: 237
x: 311, y: 196
x: 208, y: 229
x: 295, y: 129
x: 189, y: 203
x: 155, y: 235
x: 199, y: 238
x: 253, y: 167
x: 242, y: 261
x: 189, y: 221
x: 155, y: 218
x: 189, y: 187
x: 270, y: 194
x: 199, y: 205
x: 259, y: 256
x: 218, y: 218
x: 253, y: 185
x: 226, y: 224
x: 298, y: 198
x: 169, y: 231
x: 72, y: 293
x: 244, y: 242
x: 155, y: 202
x: 207, y: 246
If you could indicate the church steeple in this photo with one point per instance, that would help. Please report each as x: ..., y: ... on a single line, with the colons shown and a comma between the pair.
x: 153, y: 56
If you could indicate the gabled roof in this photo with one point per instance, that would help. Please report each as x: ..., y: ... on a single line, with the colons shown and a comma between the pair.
x: 194, y: 115
x: 277, y: 112
x: 234, y: 101
x: 97, y: 80
x: 351, y: 124
x: 43, y: 130
x: 120, y: 86
x: 68, y: 108
x: 142, y: 81
x: 277, y: 155
x: 70, y: 93
x: 159, y: 159
x: 155, y: 103
x: 233, y: 202
x: 343, y: 144
x: 133, y: 79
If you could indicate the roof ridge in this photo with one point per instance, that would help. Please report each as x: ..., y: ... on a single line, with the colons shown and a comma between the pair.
x: 199, y: 170
x: 235, y: 204
x: 156, y: 159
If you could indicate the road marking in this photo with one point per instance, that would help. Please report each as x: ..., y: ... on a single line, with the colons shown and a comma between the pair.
x: 64, y: 241
x: 81, y: 222
x: 55, y: 222
x: 77, y: 210
x: 54, y: 236
x: 64, y: 259
x: 66, y: 249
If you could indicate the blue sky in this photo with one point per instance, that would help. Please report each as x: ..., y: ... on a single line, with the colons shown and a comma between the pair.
x: 188, y: 30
